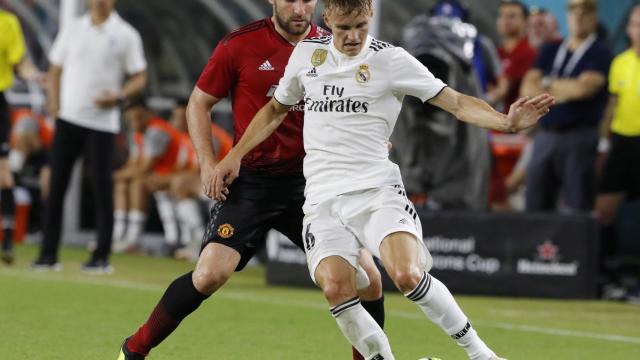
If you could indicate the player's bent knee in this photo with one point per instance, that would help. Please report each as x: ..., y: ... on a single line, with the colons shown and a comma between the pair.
x: 338, y: 291
x: 215, y: 266
x: 374, y: 290
x: 406, y: 279
x: 207, y: 281
x: 336, y: 277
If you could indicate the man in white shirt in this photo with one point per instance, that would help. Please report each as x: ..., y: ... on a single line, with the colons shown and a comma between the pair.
x: 97, y: 61
x: 353, y: 87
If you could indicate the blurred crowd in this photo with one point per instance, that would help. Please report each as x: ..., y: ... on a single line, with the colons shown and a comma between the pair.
x: 581, y: 158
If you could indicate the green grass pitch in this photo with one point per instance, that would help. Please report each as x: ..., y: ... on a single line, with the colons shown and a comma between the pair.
x: 70, y: 315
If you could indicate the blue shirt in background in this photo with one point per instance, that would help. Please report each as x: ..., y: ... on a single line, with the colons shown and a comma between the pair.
x: 581, y: 113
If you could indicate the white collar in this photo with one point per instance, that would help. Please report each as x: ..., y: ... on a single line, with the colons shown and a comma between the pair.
x: 113, y: 19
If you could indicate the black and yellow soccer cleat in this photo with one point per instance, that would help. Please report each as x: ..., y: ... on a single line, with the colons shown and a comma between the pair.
x: 128, y: 355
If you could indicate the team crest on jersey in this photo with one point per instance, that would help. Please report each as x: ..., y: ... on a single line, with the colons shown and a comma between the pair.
x: 319, y: 57
x: 363, y: 74
x: 225, y: 231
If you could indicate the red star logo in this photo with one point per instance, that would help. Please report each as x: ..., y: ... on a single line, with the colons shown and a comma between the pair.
x: 547, y: 251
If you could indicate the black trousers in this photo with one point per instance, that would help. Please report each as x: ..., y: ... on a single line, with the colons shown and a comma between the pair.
x: 4, y: 126
x: 562, y: 165
x: 98, y: 149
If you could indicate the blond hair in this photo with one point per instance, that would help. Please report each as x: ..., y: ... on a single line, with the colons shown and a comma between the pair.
x: 349, y: 6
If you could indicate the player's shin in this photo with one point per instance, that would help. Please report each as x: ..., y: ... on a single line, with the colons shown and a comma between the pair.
x: 435, y: 300
x: 190, y: 220
x: 137, y: 220
x: 179, y: 300
x: 167, y: 217
x: 372, y: 301
x: 361, y: 330
x: 119, y: 224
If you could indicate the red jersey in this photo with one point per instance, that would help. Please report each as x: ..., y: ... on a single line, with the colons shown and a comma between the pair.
x: 248, y: 64
x: 515, y: 65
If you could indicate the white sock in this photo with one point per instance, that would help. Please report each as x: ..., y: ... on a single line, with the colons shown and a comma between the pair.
x: 191, y: 220
x: 361, y: 330
x: 119, y: 224
x: 167, y: 216
x: 136, y: 224
x: 435, y: 300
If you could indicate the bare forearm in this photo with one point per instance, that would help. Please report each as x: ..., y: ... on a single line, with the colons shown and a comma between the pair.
x: 522, y: 114
x: 199, y: 125
x: 584, y: 87
x: 264, y: 123
x: 135, y: 85
x: 532, y: 87
x: 53, y: 88
x: 27, y: 70
x: 479, y: 113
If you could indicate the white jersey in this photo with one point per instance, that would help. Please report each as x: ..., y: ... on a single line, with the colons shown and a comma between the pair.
x: 351, y: 107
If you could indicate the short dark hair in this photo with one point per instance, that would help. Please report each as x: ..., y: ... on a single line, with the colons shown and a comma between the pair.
x: 520, y: 4
x: 349, y: 6
x: 138, y: 101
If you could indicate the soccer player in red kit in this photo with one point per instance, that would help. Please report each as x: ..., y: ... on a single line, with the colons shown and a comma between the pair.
x: 247, y: 64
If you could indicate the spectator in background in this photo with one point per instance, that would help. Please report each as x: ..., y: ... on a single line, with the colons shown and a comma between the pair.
x: 13, y: 58
x: 90, y: 61
x: 516, y: 54
x: 543, y: 28
x: 620, y: 135
x: 564, y: 151
x: 185, y: 188
x: 157, y: 151
x: 31, y: 138
x: 517, y: 57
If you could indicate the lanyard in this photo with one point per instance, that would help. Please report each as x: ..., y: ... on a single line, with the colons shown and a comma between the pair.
x: 561, y: 55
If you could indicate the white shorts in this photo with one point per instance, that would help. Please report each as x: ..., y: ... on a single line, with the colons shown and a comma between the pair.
x: 342, y: 225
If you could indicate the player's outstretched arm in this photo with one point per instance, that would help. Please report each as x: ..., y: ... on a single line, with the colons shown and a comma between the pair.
x: 199, y: 125
x: 263, y: 124
x: 523, y: 114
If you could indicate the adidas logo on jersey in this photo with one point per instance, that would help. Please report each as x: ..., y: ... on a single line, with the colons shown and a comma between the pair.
x: 312, y: 73
x: 266, y: 66
x: 403, y: 221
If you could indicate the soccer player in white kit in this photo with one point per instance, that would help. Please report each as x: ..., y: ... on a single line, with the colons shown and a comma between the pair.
x: 352, y: 87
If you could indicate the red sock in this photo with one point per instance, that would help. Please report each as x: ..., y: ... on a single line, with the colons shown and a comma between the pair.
x: 153, y: 332
x: 356, y: 354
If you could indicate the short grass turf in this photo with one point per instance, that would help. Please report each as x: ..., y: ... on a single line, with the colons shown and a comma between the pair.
x: 70, y: 315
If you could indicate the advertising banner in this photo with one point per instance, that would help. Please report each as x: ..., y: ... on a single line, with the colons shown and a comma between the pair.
x: 535, y: 255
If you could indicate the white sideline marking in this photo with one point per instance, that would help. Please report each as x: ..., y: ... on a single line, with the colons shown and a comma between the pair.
x: 247, y: 296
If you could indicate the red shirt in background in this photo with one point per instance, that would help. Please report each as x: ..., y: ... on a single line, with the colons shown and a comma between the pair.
x: 515, y: 65
x: 248, y: 64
